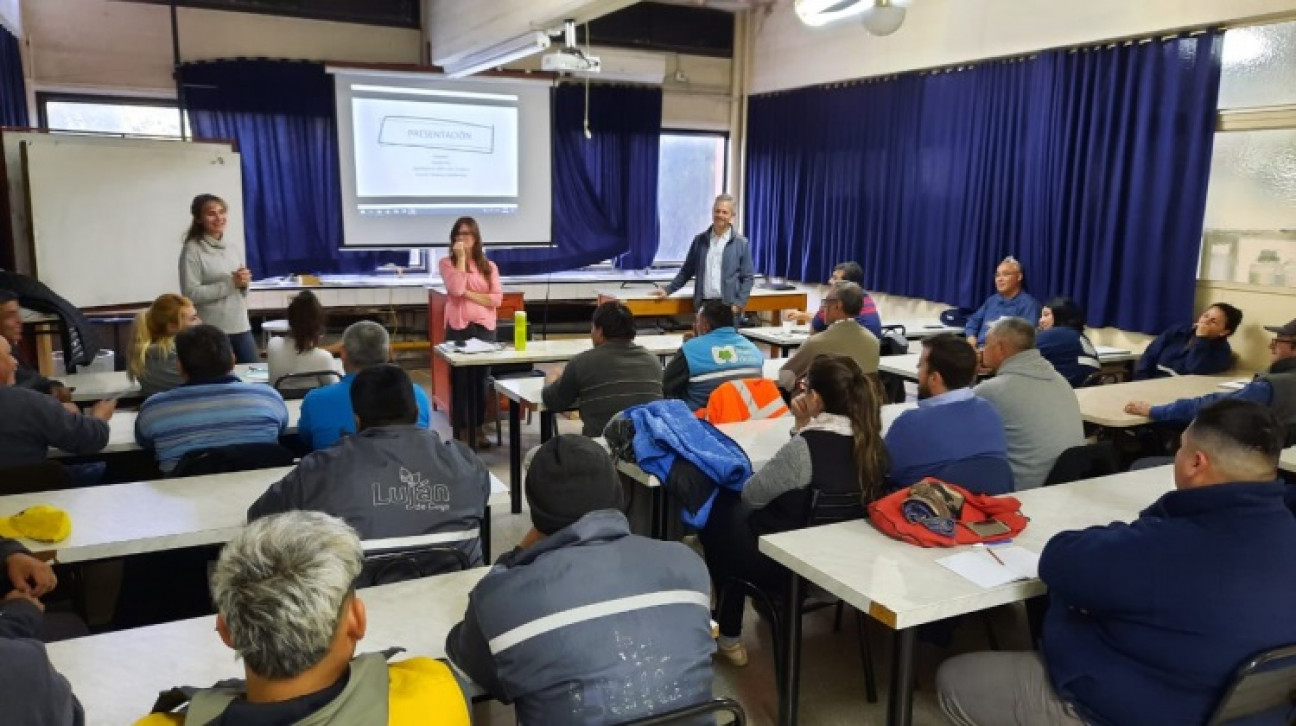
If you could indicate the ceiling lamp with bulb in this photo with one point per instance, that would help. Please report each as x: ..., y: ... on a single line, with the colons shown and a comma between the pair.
x: 880, y: 17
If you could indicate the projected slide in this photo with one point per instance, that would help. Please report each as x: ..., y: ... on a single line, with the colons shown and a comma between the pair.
x: 436, y: 153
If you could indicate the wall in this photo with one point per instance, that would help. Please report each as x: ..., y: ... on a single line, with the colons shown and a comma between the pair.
x: 944, y: 32
x: 116, y: 46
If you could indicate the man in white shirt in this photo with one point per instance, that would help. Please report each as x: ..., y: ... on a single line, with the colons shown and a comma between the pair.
x: 721, y: 260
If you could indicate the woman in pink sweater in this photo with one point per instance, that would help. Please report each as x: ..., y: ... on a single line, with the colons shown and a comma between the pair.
x: 473, y: 288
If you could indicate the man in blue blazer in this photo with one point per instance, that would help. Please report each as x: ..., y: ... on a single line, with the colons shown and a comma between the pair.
x: 721, y: 259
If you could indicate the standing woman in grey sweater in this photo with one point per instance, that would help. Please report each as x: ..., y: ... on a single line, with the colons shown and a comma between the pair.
x: 214, y: 277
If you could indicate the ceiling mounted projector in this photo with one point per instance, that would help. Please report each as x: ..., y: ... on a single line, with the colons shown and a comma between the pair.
x: 570, y: 60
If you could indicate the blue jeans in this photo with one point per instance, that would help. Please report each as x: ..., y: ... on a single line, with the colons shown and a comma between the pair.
x: 245, y: 347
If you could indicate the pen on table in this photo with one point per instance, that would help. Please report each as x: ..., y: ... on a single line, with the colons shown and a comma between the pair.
x: 991, y: 551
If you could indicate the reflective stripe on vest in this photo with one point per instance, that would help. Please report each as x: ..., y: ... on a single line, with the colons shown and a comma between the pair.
x: 585, y: 613
x: 755, y: 410
x: 418, y: 540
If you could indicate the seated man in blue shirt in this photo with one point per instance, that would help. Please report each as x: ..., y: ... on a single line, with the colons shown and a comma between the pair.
x: 1198, y: 349
x: 1148, y: 621
x: 1009, y: 301
x: 213, y: 408
x: 1275, y: 389
x: 716, y: 355
x: 326, y: 413
x: 867, y: 317
x: 953, y: 435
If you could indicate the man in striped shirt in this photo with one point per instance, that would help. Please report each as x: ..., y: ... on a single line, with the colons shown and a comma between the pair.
x: 213, y: 408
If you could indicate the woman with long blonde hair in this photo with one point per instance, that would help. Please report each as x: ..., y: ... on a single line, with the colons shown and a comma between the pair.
x: 153, y: 355
x: 837, y: 449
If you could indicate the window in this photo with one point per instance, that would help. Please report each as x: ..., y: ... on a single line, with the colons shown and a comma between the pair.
x: 692, y: 170
x: 1251, y: 200
x: 151, y: 117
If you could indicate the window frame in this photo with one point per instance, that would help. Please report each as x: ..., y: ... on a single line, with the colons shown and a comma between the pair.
x: 724, y: 172
x: 44, y: 98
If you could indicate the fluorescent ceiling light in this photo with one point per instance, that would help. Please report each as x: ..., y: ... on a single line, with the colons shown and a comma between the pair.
x: 498, y: 55
x: 821, y: 12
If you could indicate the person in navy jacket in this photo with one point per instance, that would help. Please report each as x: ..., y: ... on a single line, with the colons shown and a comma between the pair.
x: 1009, y: 301
x: 1148, y: 621
x: 1199, y: 349
x: 1062, y: 341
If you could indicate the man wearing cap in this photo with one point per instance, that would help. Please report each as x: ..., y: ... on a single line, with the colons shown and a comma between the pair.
x: 392, y: 479
x: 566, y: 627
x: 1275, y: 389
x: 30, y: 689
x: 32, y: 422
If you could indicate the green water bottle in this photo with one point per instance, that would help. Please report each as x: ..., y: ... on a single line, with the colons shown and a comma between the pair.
x: 519, y: 330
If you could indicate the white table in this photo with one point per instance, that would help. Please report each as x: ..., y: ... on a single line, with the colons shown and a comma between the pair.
x: 902, y: 586
x: 778, y: 338
x: 906, y: 366
x: 121, y: 430
x: 152, y: 516
x: 920, y: 328
x: 89, y: 387
x: 117, y: 676
x: 1105, y: 405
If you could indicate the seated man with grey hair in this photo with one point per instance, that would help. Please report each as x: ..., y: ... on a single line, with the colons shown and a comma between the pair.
x: 1149, y: 621
x: 1010, y: 300
x: 843, y: 336
x: 326, y: 413
x: 1040, y: 413
x: 284, y: 590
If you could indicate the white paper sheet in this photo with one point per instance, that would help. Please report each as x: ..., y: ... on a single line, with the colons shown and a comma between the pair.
x: 979, y: 566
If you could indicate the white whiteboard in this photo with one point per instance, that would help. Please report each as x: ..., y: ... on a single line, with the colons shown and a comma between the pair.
x: 108, y: 215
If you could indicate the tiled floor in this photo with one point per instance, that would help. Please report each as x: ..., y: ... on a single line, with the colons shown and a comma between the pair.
x: 832, y: 680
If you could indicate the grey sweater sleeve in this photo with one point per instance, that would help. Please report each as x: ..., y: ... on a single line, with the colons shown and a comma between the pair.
x: 72, y: 432
x: 788, y: 470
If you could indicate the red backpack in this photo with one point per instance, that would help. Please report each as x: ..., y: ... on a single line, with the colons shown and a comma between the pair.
x: 948, y: 502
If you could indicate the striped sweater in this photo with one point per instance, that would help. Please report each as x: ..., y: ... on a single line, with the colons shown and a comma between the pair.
x: 207, y: 415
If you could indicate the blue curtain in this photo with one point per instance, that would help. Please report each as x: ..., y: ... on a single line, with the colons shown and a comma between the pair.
x: 604, y: 187
x: 1090, y: 166
x: 13, y: 90
x: 281, y: 116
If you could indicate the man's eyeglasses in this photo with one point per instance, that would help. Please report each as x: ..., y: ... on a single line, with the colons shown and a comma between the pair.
x: 1284, y: 341
x: 828, y: 301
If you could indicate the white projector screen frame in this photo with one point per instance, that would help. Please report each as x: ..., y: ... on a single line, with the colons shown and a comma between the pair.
x: 432, y: 149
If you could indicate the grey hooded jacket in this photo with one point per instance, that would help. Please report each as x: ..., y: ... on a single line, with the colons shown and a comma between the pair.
x: 1040, y: 413
x: 591, y: 625
x: 390, y: 482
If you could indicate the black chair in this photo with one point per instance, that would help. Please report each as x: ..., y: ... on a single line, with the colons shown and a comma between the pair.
x: 821, y: 508
x: 894, y: 341
x: 1100, y: 378
x: 47, y: 476
x: 1084, y: 462
x: 980, y: 474
x: 384, y: 567
x: 1264, y: 685
x: 690, y: 714
x: 237, y: 457
x: 311, y: 380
